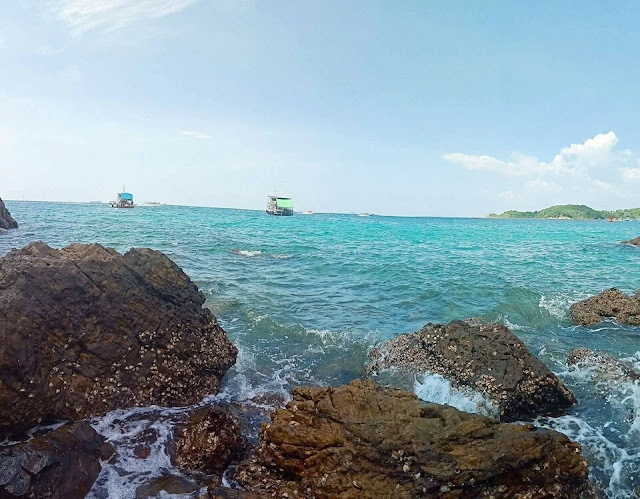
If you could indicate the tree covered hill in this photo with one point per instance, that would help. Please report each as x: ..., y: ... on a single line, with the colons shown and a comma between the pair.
x: 570, y: 211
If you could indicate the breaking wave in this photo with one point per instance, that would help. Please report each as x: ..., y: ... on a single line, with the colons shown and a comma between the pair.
x: 435, y: 388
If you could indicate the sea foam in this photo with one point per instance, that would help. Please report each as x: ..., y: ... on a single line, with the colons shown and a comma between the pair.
x: 437, y: 389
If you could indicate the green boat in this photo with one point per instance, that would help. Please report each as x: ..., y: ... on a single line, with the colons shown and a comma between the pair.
x: 279, y: 206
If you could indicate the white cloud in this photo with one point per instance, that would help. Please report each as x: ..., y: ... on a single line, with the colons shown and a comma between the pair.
x: 593, y: 151
x: 82, y: 16
x: 543, y: 185
x: 591, y: 171
x: 196, y: 135
x: 631, y: 173
x: 603, y: 142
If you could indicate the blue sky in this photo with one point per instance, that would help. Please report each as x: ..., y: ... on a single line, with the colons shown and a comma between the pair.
x: 404, y: 108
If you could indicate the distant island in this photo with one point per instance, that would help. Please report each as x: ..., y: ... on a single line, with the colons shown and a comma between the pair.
x: 571, y: 212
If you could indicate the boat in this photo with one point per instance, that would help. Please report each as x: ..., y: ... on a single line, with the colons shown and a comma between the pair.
x: 125, y: 200
x: 307, y: 212
x: 279, y: 206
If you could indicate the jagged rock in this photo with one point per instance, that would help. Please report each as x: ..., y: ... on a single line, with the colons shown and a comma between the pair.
x: 6, y: 220
x: 363, y: 440
x: 486, y: 358
x: 166, y: 485
x: 61, y: 464
x: 85, y: 330
x: 209, y: 441
x: 635, y: 241
x: 606, y: 366
x: 610, y: 304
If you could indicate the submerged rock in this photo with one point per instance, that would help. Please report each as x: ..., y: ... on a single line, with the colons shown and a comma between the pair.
x: 605, y: 366
x: 61, y: 464
x: 85, y: 330
x: 363, y: 440
x: 485, y: 358
x: 610, y: 304
x: 209, y: 441
x: 6, y: 220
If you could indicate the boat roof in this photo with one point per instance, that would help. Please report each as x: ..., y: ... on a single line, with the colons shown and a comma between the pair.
x: 125, y: 195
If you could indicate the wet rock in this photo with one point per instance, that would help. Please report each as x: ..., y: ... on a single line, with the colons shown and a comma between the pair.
x: 486, y: 358
x: 61, y: 464
x: 209, y: 441
x: 605, y: 366
x: 85, y: 330
x: 6, y: 220
x: 610, y: 304
x: 167, y: 485
x: 227, y: 493
x: 635, y: 241
x: 363, y: 440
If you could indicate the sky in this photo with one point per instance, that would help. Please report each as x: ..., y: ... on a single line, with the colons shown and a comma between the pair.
x: 434, y: 108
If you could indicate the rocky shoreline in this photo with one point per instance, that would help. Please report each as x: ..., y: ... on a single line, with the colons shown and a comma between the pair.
x: 6, y: 220
x: 85, y: 330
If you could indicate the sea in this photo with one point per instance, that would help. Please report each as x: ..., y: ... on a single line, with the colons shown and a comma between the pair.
x: 306, y: 297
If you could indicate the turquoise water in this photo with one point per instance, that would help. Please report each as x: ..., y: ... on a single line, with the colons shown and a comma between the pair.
x: 305, y: 297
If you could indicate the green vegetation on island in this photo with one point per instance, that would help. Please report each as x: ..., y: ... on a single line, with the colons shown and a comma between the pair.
x: 571, y: 212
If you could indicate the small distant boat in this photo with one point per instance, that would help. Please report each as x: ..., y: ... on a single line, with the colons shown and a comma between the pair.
x: 364, y: 214
x: 279, y: 206
x: 125, y: 200
x: 307, y: 213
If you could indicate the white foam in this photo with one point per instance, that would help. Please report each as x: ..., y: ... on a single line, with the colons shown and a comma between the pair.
x: 281, y: 257
x: 124, y: 472
x: 615, y: 463
x: 435, y: 388
x: 248, y: 253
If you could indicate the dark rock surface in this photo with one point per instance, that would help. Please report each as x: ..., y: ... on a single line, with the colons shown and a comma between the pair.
x: 61, y: 464
x: 610, y: 304
x: 85, y: 330
x: 209, y: 441
x: 486, y: 358
x: 6, y: 220
x: 363, y: 440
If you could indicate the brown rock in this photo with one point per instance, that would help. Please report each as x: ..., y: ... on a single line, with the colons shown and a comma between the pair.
x: 363, y: 440
x: 486, y: 358
x: 6, y: 220
x: 610, y: 304
x: 61, y: 464
x: 209, y: 441
x: 85, y: 330
x: 635, y: 241
x: 167, y: 485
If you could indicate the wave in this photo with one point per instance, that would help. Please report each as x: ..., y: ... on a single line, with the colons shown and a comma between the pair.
x: 437, y: 389
x: 249, y: 253
x: 558, y: 305
x: 616, y: 465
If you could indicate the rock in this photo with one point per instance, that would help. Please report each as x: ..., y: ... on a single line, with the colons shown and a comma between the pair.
x: 606, y: 367
x: 610, y: 304
x: 6, y: 220
x: 634, y: 241
x: 363, y: 440
x: 85, y: 330
x: 209, y: 441
x: 63, y: 464
x: 486, y: 358
x: 166, y: 485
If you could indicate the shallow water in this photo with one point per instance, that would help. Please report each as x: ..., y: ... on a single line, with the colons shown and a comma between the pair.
x: 305, y: 297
